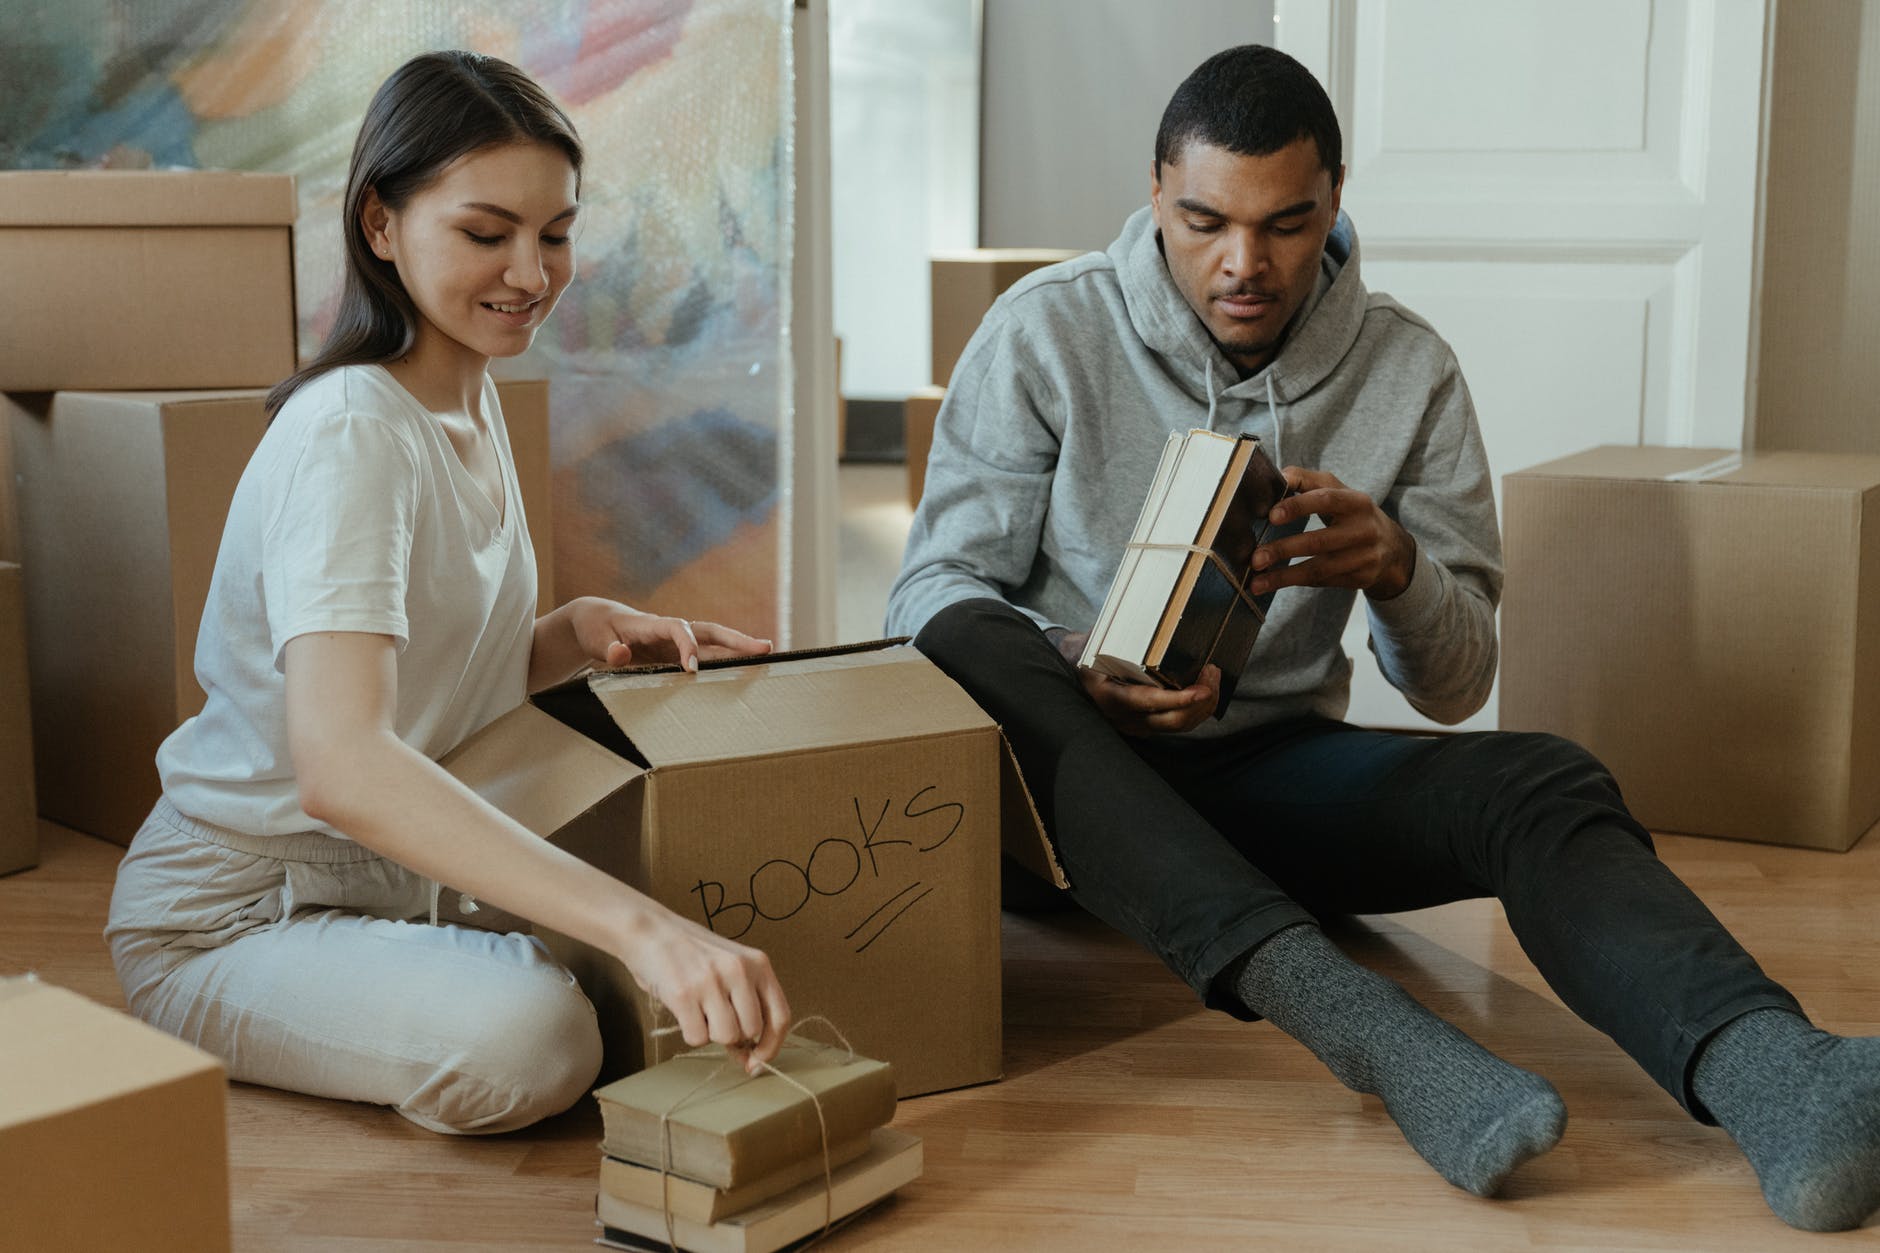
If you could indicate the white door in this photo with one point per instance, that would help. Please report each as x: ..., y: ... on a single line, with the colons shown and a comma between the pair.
x: 1567, y: 192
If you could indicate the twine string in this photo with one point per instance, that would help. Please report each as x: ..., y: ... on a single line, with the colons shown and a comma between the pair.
x: 1237, y: 581
x: 822, y: 1123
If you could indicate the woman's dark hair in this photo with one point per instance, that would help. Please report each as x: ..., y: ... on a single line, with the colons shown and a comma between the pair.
x: 1253, y: 101
x: 434, y: 109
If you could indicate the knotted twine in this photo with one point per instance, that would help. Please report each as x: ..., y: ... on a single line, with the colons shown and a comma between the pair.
x: 1238, y: 582
x: 822, y: 1124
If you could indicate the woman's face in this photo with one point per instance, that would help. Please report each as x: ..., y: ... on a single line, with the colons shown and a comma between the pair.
x: 485, y: 249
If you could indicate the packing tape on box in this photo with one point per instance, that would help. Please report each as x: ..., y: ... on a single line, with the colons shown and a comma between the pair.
x: 1709, y: 470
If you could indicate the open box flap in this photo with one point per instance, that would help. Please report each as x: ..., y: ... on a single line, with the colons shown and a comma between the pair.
x: 537, y: 771
x: 1021, y: 831
x: 785, y: 703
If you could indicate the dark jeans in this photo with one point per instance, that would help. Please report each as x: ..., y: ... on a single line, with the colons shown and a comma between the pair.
x: 1202, y: 848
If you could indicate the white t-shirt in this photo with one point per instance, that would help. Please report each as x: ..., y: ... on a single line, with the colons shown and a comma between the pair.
x: 355, y: 514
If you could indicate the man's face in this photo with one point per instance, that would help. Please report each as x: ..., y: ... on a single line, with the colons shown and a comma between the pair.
x: 1243, y: 237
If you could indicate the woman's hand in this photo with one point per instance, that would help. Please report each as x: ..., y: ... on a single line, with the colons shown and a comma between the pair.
x: 719, y: 991
x: 611, y: 634
x: 594, y: 631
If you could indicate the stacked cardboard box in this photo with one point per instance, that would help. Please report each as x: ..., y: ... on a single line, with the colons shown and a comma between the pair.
x: 122, y: 493
x: 841, y: 810
x: 964, y: 285
x: 1708, y: 624
x: 112, y: 1134
x: 19, y: 818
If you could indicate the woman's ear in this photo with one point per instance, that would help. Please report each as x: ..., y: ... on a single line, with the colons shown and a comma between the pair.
x: 376, y: 221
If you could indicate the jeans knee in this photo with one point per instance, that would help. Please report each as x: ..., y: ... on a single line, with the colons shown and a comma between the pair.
x: 531, y: 1054
x: 959, y: 633
x: 1561, y: 783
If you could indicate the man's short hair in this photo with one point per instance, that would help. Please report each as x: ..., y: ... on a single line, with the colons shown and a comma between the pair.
x: 1251, y: 100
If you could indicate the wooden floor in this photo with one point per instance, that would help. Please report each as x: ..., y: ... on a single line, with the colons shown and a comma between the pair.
x: 1129, y: 1117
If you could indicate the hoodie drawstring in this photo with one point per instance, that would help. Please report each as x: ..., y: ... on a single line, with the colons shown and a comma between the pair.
x: 1272, y: 408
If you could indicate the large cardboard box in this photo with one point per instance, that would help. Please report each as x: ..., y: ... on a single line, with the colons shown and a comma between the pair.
x: 123, y: 496
x: 921, y: 412
x: 1709, y: 626
x: 19, y: 818
x: 113, y: 1135
x: 525, y: 413
x: 142, y: 279
x: 122, y: 500
x: 9, y: 505
x: 843, y: 811
x: 964, y: 286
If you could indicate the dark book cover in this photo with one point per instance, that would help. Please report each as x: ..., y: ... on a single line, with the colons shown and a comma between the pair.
x: 1214, y: 622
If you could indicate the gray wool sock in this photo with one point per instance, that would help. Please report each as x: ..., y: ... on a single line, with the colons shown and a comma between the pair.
x: 1469, y: 1114
x: 1804, y: 1106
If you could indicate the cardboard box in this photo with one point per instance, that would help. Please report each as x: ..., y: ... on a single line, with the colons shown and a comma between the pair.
x: 923, y: 409
x: 841, y: 810
x: 141, y: 279
x: 9, y: 501
x: 1708, y: 627
x: 964, y: 286
x: 19, y: 817
x: 123, y: 498
x: 113, y: 1135
x: 525, y: 413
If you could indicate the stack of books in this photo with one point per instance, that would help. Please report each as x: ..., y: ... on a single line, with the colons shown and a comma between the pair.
x: 1179, y: 599
x: 701, y: 1155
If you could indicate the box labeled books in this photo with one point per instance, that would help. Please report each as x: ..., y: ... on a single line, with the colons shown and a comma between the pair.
x: 1179, y: 599
x: 843, y: 810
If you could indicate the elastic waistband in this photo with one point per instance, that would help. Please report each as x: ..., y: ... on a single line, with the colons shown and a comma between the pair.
x: 309, y: 846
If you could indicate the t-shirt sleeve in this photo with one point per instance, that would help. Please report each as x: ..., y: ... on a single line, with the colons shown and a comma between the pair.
x: 336, y: 554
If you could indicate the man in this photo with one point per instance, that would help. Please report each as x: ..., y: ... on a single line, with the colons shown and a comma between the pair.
x: 1234, y: 301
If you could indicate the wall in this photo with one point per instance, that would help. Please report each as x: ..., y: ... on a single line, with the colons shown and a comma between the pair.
x: 1819, y: 372
x: 1072, y: 91
x: 904, y: 168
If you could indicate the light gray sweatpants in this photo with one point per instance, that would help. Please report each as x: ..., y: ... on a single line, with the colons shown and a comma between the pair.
x: 304, y: 962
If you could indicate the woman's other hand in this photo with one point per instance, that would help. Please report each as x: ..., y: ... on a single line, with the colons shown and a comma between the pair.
x: 719, y: 991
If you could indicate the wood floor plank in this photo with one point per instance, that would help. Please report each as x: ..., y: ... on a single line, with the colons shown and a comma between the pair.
x: 1130, y: 1117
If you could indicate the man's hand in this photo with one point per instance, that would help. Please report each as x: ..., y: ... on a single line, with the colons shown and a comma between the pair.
x: 1360, y: 546
x: 1137, y: 708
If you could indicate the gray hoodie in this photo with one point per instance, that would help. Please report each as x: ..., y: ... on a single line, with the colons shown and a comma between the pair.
x: 1055, y: 418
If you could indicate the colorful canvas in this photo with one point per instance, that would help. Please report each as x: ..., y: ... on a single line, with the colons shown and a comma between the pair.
x: 668, y: 354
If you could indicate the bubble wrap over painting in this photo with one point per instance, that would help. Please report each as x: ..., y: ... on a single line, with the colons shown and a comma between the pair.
x: 668, y: 355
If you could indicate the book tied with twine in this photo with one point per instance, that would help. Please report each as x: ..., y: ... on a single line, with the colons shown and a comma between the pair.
x: 698, y: 1118
x: 1179, y: 599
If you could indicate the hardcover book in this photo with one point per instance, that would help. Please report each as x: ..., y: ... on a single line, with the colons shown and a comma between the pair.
x: 1179, y: 599
x: 725, y: 1128
x: 893, y: 1158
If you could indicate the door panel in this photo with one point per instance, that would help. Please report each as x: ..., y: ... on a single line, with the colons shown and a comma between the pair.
x: 1568, y: 194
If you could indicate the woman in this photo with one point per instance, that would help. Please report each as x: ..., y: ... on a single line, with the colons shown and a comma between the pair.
x: 372, y: 606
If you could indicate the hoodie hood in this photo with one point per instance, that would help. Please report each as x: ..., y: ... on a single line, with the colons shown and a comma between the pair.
x: 1317, y: 339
